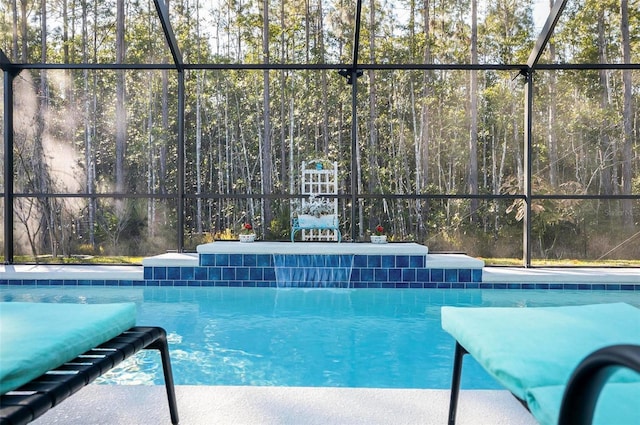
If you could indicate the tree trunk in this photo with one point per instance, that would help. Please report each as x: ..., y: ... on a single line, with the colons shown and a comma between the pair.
x: 473, y: 131
x: 627, y: 112
x: 267, y: 162
x: 121, y: 116
x: 605, y: 152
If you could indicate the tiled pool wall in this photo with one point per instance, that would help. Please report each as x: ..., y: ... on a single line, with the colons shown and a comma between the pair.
x: 338, y: 271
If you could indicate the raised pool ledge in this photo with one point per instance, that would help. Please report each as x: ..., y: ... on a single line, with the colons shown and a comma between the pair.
x: 314, y: 264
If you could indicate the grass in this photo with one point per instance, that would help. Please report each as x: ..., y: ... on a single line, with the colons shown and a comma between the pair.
x: 517, y: 262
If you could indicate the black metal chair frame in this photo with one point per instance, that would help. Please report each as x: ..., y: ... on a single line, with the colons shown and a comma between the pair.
x: 582, y: 390
x: 34, y: 398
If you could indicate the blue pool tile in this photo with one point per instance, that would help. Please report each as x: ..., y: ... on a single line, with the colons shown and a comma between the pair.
x: 476, y: 275
x: 528, y: 286
x: 263, y: 284
x: 388, y: 261
x: 200, y: 273
x: 457, y: 285
x: 444, y: 285
x: 256, y: 273
x: 235, y: 284
x: 85, y: 282
x: 187, y: 273
x: 416, y: 261
x: 221, y: 260
x: 4, y: 282
x: 207, y: 260
x: 374, y: 285
x: 374, y: 261
x: 486, y: 285
x: 514, y: 286
x: 366, y: 275
x: 499, y: 286
x: 236, y: 259
x: 173, y: 273
x: 422, y: 275
x: 159, y: 273
x: 224, y: 283
x: 249, y: 284
x: 208, y: 283
x: 628, y: 287
x: 332, y: 261
x: 359, y: 261
x: 430, y: 285
x: 416, y: 285
x: 472, y: 285
x: 194, y: 283
x: 290, y: 260
x: 612, y: 287
x: 250, y: 260
x: 139, y: 283
x: 381, y: 275
x: 409, y: 275
x: 264, y: 260
x: 598, y: 287
x: 402, y: 261
x: 359, y: 285
x: 437, y: 275
x: 147, y: 273
x: 152, y: 282
x: 269, y: 274
x: 542, y: 286
x: 166, y: 282
x: 242, y: 273
x: 450, y: 275
x: 556, y: 286
x: 228, y: 273
x: 464, y: 275
x: 126, y: 283
x: 402, y: 285
x: 395, y: 275
x: 215, y: 273
x: 180, y: 282
x: 355, y: 275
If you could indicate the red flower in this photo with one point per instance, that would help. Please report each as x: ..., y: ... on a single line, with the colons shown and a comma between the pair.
x: 379, y: 230
x: 247, y: 226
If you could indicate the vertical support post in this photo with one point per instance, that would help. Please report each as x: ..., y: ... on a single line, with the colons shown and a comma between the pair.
x: 9, y: 75
x: 181, y: 199
x: 354, y: 159
x: 458, y: 357
x: 528, y: 151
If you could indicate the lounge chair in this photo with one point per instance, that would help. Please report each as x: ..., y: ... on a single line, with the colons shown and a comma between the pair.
x: 533, y: 352
x: 50, y: 351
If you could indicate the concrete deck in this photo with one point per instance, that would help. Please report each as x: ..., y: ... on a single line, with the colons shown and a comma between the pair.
x: 201, y: 405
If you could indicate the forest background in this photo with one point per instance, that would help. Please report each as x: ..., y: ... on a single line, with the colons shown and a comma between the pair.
x: 439, y: 156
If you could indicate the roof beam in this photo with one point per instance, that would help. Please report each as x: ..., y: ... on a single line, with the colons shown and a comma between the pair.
x: 545, y: 34
x: 163, y: 14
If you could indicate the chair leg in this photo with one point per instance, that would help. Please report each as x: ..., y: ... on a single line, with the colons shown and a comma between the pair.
x: 161, y: 345
x: 455, y: 382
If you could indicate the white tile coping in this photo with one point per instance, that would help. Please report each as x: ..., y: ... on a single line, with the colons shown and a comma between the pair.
x: 307, y: 248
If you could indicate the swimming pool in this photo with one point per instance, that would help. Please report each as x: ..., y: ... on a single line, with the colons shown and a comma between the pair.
x: 375, y: 338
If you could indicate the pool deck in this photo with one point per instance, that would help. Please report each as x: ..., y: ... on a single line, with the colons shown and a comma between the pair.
x: 489, y: 274
x: 202, y: 405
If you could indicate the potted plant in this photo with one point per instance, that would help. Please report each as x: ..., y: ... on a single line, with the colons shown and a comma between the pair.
x: 316, y: 212
x: 247, y: 234
x: 378, y: 235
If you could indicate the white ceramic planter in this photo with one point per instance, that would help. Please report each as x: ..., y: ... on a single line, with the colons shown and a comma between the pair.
x: 248, y: 238
x: 379, y: 239
x: 311, y: 221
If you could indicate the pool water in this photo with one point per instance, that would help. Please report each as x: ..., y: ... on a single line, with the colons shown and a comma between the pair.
x: 376, y: 338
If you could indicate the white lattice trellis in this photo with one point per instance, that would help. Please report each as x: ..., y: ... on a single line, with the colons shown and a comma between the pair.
x: 318, y: 179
